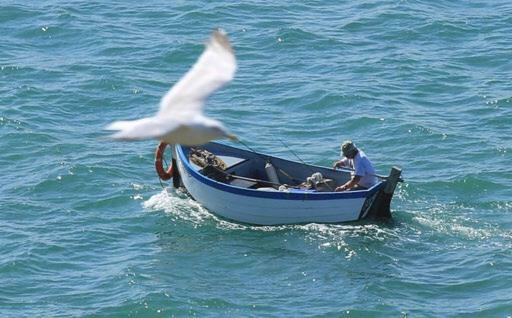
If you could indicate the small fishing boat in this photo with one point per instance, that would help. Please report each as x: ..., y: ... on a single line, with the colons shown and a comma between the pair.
x: 254, y: 188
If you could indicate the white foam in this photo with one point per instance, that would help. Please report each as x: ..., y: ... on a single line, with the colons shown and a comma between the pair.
x: 326, y: 236
x: 178, y: 204
x: 456, y: 225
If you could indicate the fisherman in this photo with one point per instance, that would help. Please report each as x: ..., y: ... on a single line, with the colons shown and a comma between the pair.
x: 363, y: 175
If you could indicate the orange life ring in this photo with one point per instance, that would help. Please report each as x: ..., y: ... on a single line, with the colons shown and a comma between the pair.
x: 159, y: 166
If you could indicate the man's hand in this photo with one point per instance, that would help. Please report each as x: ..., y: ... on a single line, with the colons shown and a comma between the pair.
x: 341, y: 188
x: 338, y: 164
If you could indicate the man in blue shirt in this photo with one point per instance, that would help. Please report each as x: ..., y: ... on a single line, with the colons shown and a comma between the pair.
x: 363, y: 175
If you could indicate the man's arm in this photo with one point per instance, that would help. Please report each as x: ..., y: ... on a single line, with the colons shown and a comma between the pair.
x: 340, y: 163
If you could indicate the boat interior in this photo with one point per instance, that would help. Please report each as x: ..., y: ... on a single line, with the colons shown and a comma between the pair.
x: 252, y: 170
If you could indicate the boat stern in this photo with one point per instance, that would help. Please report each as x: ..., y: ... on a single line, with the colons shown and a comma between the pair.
x: 379, y: 206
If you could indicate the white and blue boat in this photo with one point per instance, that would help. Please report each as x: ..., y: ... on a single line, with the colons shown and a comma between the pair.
x: 245, y: 190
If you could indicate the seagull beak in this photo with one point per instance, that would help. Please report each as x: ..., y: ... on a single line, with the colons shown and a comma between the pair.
x: 232, y: 137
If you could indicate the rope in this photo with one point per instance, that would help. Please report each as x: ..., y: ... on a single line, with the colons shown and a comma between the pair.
x: 293, y: 152
x: 161, y: 184
x: 247, y: 146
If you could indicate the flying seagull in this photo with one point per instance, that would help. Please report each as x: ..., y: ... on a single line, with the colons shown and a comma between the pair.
x: 180, y: 119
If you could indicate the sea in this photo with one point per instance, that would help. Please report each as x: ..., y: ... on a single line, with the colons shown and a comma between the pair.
x: 87, y: 229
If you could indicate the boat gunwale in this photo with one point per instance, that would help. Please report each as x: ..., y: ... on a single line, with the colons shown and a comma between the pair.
x: 279, y: 195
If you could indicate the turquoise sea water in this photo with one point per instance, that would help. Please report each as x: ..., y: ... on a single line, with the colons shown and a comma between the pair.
x: 86, y: 229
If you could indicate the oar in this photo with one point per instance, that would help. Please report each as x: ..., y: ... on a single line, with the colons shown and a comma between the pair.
x: 259, y: 180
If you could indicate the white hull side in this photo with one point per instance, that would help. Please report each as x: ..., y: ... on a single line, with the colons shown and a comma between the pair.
x: 269, y: 211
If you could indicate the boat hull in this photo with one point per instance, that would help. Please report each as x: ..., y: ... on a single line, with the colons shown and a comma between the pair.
x: 259, y: 207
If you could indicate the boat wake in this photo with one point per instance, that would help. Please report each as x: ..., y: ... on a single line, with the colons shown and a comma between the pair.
x: 348, y: 239
x: 179, y: 205
x: 458, y: 222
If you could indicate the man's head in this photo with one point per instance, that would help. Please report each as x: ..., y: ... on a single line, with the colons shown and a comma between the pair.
x: 348, y: 149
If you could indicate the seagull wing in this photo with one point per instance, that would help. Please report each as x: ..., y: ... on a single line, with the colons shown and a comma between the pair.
x: 215, y: 67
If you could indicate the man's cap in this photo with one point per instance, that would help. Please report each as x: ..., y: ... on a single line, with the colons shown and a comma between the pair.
x: 348, y: 148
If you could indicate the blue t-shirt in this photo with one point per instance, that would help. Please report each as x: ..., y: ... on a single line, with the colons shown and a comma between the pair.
x: 363, y: 168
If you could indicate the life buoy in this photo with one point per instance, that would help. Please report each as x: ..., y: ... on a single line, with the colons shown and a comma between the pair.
x: 159, y: 166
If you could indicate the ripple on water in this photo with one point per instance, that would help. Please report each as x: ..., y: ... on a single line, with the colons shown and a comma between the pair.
x: 88, y: 230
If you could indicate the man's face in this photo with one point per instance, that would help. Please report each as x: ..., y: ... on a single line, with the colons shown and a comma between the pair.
x: 349, y: 156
